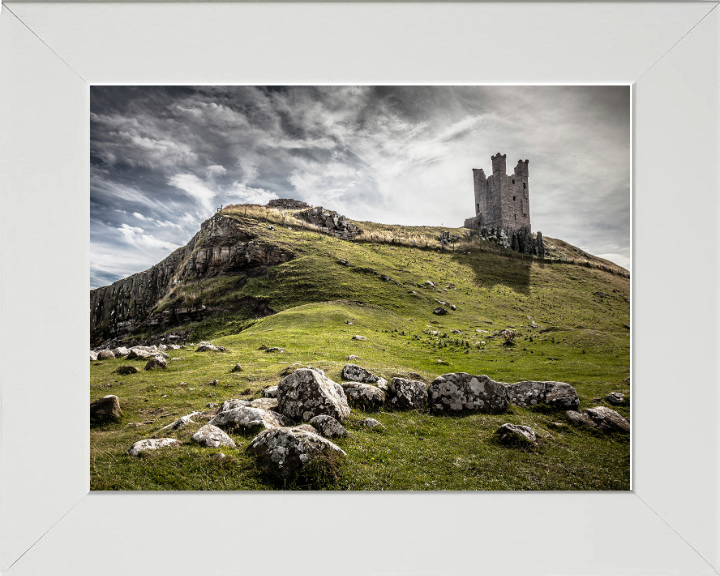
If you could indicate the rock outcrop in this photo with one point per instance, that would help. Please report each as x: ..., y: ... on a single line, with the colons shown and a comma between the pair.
x: 330, y: 222
x: 515, y: 434
x: 328, y: 426
x: 221, y: 247
x: 249, y: 418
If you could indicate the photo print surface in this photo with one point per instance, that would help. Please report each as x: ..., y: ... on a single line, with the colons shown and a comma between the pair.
x: 360, y: 287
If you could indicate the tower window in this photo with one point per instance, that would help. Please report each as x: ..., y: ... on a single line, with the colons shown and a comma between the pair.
x: 513, y: 198
x: 513, y: 181
x: 524, y: 185
x: 515, y: 216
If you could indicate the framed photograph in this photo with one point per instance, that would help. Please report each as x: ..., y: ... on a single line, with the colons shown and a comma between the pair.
x: 56, y: 55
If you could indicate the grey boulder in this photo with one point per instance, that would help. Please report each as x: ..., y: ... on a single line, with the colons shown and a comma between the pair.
x: 407, y: 394
x: 364, y: 396
x: 356, y: 373
x: 211, y: 437
x: 120, y: 351
x: 106, y: 408
x: 156, y: 363
x: 615, y: 398
x: 152, y: 444
x: 532, y: 393
x: 126, y: 370
x: 105, y: 355
x: 459, y: 391
x: 285, y: 451
x: 600, y: 418
x: 515, y: 434
x: 249, y: 418
x: 328, y: 426
x: 307, y: 393
x: 270, y: 392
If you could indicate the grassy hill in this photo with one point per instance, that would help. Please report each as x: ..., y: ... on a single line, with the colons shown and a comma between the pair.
x: 376, y: 286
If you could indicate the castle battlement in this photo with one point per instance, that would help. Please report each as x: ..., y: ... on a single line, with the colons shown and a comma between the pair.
x: 502, y: 201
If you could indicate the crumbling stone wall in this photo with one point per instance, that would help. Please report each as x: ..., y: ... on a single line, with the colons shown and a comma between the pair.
x: 330, y: 222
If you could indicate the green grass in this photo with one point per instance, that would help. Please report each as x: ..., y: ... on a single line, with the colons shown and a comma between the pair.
x: 580, y: 340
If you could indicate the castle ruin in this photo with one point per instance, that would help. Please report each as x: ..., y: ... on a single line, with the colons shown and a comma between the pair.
x: 502, y: 206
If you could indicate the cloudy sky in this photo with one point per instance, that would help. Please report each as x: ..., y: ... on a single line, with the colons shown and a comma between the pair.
x: 164, y: 158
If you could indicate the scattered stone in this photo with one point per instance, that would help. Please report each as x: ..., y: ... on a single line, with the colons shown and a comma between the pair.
x: 286, y: 450
x: 460, y: 391
x: 373, y: 424
x: 271, y: 227
x: 152, y: 444
x: 265, y: 403
x: 627, y: 326
x: 307, y: 393
x: 328, y: 426
x: 211, y: 405
x: 615, y: 398
x: 364, y: 396
x: 105, y: 355
x: 407, y: 394
x: 120, y: 351
x: 105, y: 409
x: 304, y: 428
x: 558, y: 425
x: 348, y: 322
x: 453, y: 307
x: 218, y: 456
x: 343, y: 262
x: 249, y: 418
x: 533, y: 324
x: 212, y: 383
x: 270, y: 392
x: 627, y: 380
x: 156, y: 363
x: 125, y: 370
x: 555, y: 394
x: 601, y: 294
x: 234, y: 403
x: 515, y: 434
x: 137, y: 353
x: 600, y: 418
x: 93, y: 356
x: 181, y: 422
x: 353, y: 357
x: 236, y: 368
x: 440, y: 311
x: 357, y: 374
x: 211, y: 437
x: 357, y: 337
x: 275, y: 349
x: 206, y: 347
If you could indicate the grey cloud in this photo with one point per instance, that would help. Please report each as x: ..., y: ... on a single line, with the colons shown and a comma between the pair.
x: 391, y: 154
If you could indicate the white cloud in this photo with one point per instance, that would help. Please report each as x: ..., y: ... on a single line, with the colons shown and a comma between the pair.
x: 216, y: 170
x: 141, y: 239
x: 249, y: 195
x: 196, y: 189
x: 619, y: 259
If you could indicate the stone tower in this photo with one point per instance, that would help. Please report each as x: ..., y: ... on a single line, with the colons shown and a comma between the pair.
x: 502, y: 201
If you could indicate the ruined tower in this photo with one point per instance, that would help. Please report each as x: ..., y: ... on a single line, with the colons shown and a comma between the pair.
x: 501, y: 201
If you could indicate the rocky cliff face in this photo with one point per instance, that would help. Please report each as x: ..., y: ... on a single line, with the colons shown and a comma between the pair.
x: 221, y: 247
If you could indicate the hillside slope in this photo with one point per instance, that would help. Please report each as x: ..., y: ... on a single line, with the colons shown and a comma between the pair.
x: 258, y: 278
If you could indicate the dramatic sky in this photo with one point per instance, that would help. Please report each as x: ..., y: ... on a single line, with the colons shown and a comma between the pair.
x: 164, y: 158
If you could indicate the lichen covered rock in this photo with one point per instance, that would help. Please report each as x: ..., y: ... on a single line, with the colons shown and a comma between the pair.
x: 459, y: 391
x: 407, y: 394
x: 328, y: 426
x: 516, y: 434
x: 152, y: 444
x: 211, y: 437
x: 356, y: 373
x: 249, y: 418
x: 285, y: 451
x: 156, y: 363
x: 532, y: 393
x: 600, y: 418
x: 307, y: 393
x: 364, y: 396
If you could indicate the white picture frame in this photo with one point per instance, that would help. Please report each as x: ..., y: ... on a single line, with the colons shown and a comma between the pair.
x: 50, y: 53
